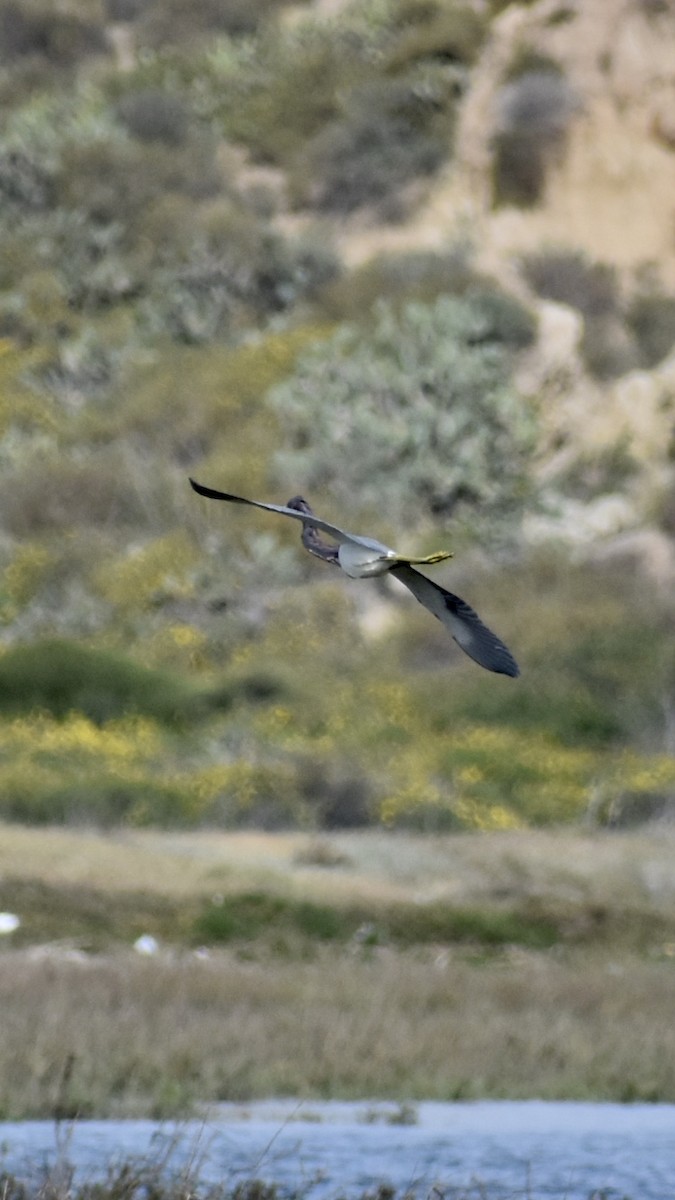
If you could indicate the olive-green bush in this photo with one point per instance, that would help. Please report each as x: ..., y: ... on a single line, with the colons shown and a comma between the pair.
x: 651, y: 318
x: 389, y: 133
x: 35, y: 30
x: 621, y: 332
x: 536, y: 106
x: 58, y: 677
x: 413, y: 417
x: 163, y: 23
x: 398, y: 277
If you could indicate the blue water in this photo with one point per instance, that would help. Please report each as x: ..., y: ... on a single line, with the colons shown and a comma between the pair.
x: 500, y: 1150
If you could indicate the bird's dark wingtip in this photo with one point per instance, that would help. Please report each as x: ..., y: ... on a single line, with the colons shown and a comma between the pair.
x: 212, y: 494
x: 503, y: 663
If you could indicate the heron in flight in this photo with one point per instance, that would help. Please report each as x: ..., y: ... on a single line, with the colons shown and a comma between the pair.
x: 364, y: 557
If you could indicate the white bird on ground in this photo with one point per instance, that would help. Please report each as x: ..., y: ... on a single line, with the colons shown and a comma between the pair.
x: 9, y: 922
x: 364, y: 557
x: 146, y: 945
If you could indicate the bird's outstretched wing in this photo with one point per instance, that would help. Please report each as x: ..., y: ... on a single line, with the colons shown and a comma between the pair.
x: 376, y: 552
x: 466, y: 627
x: 307, y: 518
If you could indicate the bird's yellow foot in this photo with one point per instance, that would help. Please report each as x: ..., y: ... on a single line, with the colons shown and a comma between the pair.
x: 438, y: 556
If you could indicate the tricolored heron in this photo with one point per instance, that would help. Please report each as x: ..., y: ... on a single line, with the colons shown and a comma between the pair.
x: 364, y: 557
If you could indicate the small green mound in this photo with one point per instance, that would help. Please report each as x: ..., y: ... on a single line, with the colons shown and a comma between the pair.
x: 58, y: 677
x: 247, y: 916
x: 486, y: 927
x: 250, y: 915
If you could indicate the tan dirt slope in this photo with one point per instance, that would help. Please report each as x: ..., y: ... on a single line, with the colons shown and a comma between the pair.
x: 611, y: 195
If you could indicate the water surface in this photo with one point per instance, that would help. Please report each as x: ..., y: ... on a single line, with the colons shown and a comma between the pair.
x: 494, y: 1150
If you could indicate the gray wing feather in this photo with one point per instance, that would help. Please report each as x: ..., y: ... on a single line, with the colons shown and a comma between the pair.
x: 307, y: 518
x: 466, y: 627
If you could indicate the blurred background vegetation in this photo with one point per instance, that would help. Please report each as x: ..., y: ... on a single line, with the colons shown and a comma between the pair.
x: 259, y: 245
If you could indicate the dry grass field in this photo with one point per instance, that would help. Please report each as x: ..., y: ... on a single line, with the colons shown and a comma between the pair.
x: 91, y: 1027
x: 119, y: 1035
x: 618, y: 869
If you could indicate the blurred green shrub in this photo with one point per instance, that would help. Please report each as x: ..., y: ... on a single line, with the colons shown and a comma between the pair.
x: 30, y: 28
x: 80, y: 368
x: 74, y: 770
x: 92, y: 799
x: 154, y: 115
x: 609, y: 347
x: 128, y: 204
x: 191, y: 404
x: 125, y: 10
x: 392, y: 131
x: 22, y: 577
x: 600, y: 663
x: 237, y: 275
x: 650, y: 316
x: 115, y: 191
x: 59, y: 677
x: 412, y: 275
x: 25, y: 182
x: 162, y: 23
x: 149, y: 575
x: 275, y: 99
x: 666, y: 514
x: 507, y: 321
x: 247, y: 915
x: 244, y: 916
x: 89, y: 262
x: 45, y: 302
x: 535, y: 109
x: 413, y: 416
x: 429, y: 29
x: 619, y: 334
x: 337, y: 796
x: 23, y: 413
x: 630, y: 809
x: 445, y: 923
x: 570, y: 277
x: 348, y: 107
x: 51, y: 493
x: 595, y: 473
x: 114, y: 180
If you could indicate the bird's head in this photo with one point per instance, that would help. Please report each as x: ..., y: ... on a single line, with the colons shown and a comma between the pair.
x: 299, y: 505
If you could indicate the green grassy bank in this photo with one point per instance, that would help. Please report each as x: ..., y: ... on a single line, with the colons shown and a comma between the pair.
x: 513, y: 965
